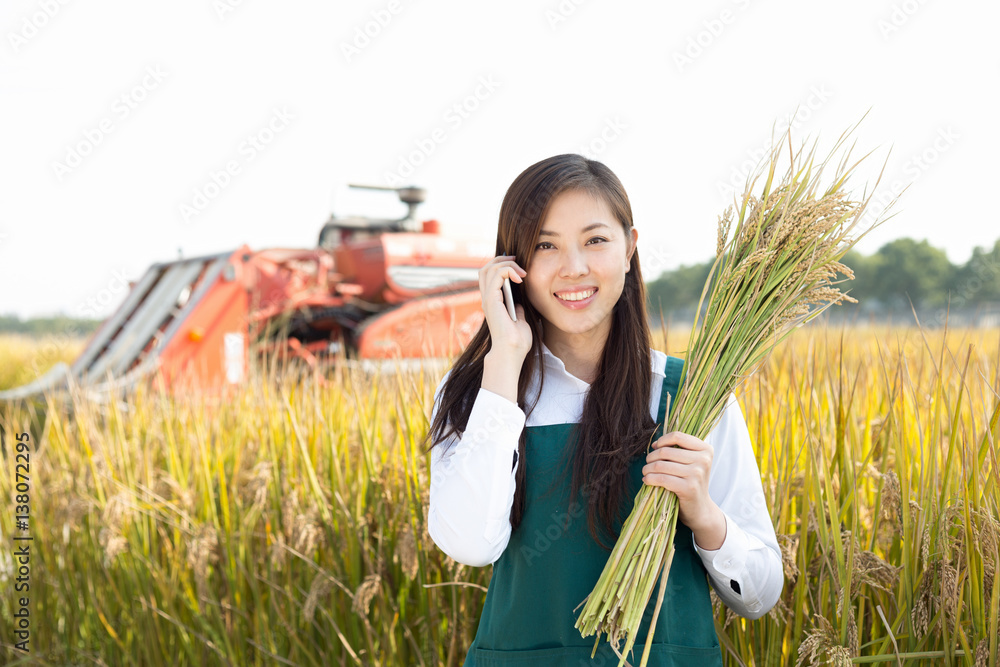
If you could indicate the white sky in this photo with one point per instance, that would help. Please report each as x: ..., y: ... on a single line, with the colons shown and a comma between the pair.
x: 927, y: 70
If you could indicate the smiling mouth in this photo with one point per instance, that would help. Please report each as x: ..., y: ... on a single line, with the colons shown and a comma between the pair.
x: 577, y: 296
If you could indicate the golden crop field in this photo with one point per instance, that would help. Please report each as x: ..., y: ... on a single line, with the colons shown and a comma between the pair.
x: 23, y: 359
x: 287, y: 525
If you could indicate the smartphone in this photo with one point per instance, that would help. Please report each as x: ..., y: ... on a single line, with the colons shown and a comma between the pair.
x: 508, y: 299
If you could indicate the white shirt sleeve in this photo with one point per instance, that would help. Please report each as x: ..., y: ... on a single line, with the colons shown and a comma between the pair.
x: 746, y: 571
x: 472, y: 481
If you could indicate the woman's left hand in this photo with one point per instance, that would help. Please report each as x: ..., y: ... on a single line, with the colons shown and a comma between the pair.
x: 681, y: 463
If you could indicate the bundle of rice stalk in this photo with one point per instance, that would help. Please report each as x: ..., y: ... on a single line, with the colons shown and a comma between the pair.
x: 775, y: 272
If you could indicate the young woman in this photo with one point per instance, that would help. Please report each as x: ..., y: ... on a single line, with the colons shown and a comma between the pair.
x: 541, y: 435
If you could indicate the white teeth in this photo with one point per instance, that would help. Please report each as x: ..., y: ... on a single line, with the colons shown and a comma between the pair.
x: 576, y: 296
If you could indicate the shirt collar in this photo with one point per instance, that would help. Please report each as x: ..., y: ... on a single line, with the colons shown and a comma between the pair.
x: 555, y: 362
x: 552, y: 359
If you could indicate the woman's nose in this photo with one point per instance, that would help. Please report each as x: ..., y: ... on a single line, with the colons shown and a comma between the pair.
x: 574, y: 264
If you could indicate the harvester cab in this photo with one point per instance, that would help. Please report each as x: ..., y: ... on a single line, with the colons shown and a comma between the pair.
x: 374, y: 290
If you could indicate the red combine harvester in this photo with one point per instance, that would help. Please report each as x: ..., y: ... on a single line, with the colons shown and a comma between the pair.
x: 373, y: 289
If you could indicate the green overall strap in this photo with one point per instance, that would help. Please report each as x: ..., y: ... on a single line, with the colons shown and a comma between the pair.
x: 671, y: 383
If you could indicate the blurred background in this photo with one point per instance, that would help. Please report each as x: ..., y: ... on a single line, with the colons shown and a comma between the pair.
x: 135, y: 133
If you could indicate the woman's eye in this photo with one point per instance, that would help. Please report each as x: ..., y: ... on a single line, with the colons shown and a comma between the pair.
x: 596, y: 238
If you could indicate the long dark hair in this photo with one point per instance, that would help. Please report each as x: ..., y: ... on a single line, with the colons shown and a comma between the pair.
x: 616, y: 426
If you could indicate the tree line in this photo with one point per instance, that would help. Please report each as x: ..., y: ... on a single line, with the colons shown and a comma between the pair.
x: 36, y: 327
x: 901, y: 272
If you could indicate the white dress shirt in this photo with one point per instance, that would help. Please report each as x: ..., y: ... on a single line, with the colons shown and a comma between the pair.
x: 473, y: 483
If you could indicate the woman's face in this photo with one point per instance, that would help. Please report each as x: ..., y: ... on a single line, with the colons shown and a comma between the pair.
x: 583, y: 254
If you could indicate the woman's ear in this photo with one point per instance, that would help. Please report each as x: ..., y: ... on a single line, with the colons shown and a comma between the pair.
x: 632, y: 245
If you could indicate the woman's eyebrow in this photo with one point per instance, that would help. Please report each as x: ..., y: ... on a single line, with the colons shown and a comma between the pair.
x: 594, y: 225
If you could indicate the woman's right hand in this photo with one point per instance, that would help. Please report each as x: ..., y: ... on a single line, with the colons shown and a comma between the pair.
x: 508, y: 338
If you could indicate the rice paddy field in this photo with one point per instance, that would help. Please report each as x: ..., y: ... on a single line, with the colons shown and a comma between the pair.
x: 286, y: 524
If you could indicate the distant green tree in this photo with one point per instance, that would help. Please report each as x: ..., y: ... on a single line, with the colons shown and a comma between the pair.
x: 912, y: 271
x: 678, y: 290
x: 42, y: 326
x: 900, y: 271
x: 978, y: 280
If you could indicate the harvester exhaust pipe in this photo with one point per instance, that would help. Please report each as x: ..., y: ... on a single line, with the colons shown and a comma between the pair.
x: 410, y: 195
x: 337, y: 229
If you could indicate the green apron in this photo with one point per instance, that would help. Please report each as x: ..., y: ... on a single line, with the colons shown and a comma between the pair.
x: 552, y: 563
